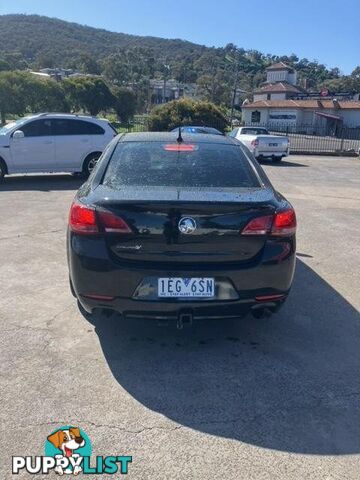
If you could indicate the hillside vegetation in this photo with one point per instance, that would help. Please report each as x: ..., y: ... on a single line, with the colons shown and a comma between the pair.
x: 32, y: 41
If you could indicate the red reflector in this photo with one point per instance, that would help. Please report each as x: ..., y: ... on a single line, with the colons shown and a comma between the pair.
x: 112, y: 223
x: 179, y: 147
x: 105, y: 298
x: 82, y: 219
x: 258, y: 226
x: 284, y: 223
x: 267, y: 298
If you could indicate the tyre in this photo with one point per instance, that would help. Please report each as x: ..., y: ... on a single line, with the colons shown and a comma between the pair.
x: 90, y: 163
x: 277, y: 159
x: 3, y: 170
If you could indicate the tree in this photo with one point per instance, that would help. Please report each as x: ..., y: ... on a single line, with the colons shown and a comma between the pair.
x: 88, y: 64
x: 125, y: 103
x: 115, y: 69
x: 22, y: 92
x: 184, y: 112
x: 12, y: 99
x: 4, y: 65
x: 356, y: 72
x: 45, y: 95
x: 90, y: 94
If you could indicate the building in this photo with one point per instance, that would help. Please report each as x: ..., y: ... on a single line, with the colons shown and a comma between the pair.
x: 280, y: 103
x: 59, y: 74
x: 307, y: 116
x: 163, y: 91
x: 280, y: 84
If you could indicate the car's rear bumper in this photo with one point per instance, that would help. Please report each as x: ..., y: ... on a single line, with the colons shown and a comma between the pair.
x: 271, y: 153
x: 94, y: 273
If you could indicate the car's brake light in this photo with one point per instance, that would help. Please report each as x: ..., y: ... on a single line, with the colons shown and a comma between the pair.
x: 255, y: 143
x: 258, y: 226
x: 179, y: 147
x: 284, y: 223
x: 281, y: 224
x: 112, y: 223
x: 82, y: 219
x: 86, y: 220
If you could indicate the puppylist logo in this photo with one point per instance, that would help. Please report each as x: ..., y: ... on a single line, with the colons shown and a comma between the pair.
x: 68, y: 451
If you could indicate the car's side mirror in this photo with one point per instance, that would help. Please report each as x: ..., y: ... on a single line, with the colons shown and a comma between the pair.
x: 18, y: 134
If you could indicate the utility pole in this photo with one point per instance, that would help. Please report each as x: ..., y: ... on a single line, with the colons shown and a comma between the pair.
x: 234, y: 93
x: 166, y: 73
x: 233, y: 61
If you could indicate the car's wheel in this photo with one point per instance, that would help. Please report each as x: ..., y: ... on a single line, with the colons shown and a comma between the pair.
x: 90, y: 163
x: 3, y: 169
x: 277, y: 159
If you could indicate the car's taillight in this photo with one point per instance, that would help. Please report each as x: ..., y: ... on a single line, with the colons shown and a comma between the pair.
x: 281, y: 224
x: 112, y: 223
x: 86, y: 220
x: 284, y: 223
x: 255, y: 143
x: 82, y: 219
x: 258, y: 226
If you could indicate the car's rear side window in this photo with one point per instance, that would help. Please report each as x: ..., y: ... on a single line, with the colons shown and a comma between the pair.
x: 161, y: 164
x: 63, y: 126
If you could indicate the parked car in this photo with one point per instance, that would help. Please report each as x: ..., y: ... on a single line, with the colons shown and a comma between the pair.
x: 197, y: 129
x: 53, y: 143
x: 261, y: 143
x: 165, y: 229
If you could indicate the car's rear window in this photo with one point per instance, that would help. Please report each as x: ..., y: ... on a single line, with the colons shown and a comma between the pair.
x: 161, y: 164
x: 254, y: 131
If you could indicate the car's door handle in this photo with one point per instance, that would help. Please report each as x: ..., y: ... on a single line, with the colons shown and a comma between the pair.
x: 85, y: 140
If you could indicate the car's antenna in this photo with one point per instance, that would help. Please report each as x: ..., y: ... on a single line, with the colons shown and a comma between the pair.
x: 180, y: 139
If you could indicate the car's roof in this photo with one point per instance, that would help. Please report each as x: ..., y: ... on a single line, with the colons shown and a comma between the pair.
x: 65, y: 115
x: 200, y: 127
x: 172, y: 137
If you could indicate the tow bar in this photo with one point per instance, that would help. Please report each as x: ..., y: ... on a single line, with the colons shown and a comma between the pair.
x: 184, y: 318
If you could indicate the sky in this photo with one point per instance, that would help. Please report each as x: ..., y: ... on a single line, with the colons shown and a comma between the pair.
x: 327, y: 31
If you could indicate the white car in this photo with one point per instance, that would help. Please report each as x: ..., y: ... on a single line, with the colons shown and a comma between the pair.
x: 53, y: 143
x: 261, y: 143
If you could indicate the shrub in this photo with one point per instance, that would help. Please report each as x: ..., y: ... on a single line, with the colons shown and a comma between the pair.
x: 186, y: 112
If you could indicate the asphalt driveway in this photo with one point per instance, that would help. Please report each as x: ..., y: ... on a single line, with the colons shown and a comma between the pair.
x: 251, y: 399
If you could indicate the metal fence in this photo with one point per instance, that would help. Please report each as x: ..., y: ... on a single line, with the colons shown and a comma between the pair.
x: 306, y: 139
x: 313, y: 139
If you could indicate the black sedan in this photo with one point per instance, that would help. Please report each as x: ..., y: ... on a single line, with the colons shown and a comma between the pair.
x: 180, y: 227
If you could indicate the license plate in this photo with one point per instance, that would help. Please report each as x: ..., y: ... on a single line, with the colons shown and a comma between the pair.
x: 273, y: 144
x: 186, y: 287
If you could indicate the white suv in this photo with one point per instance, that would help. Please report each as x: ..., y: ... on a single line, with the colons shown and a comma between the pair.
x: 53, y: 143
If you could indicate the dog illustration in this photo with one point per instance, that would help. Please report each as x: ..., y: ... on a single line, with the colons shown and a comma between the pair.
x: 67, y: 441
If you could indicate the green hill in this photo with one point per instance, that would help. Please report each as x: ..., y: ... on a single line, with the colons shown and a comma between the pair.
x: 32, y: 41
x: 34, y: 36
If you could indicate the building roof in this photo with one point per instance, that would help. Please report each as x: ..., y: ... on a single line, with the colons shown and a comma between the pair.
x: 279, y: 87
x: 327, y: 104
x: 279, y: 66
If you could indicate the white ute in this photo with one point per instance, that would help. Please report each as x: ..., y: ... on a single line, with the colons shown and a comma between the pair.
x: 261, y: 144
x: 53, y: 142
